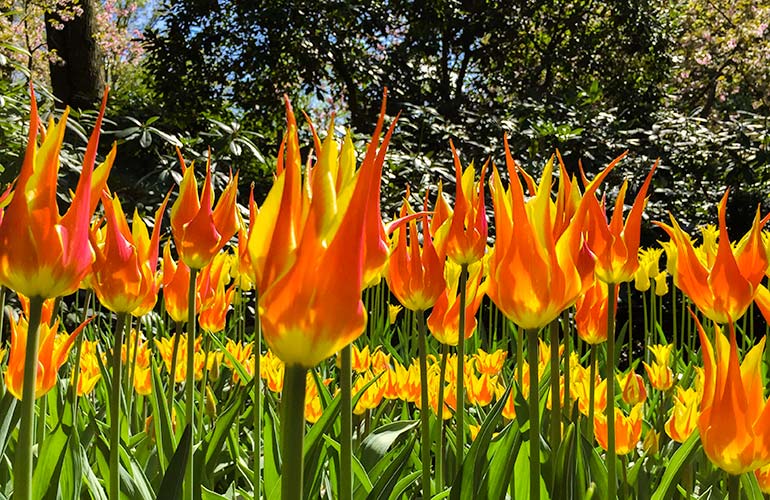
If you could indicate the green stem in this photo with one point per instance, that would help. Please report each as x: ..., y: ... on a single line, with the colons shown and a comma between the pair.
x: 78, y: 355
x: 22, y: 469
x: 646, y: 328
x: 592, y: 393
x: 610, y: 376
x: 630, y: 326
x: 346, y: 431
x: 292, y: 431
x: 567, y: 353
x: 205, y: 378
x: 520, y: 356
x: 733, y: 487
x: 425, y: 443
x: 555, y: 400
x: 534, y: 417
x: 440, y: 406
x: 174, y: 356
x: 257, y: 400
x: 115, y: 407
x: 460, y: 411
x: 132, y: 374
x: 189, y: 387
x: 673, y: 317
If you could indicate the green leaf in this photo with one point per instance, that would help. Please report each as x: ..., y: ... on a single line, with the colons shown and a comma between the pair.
x: 9, y: 418
x: 207, y: 494
x: 173, y: 480
x: 224, y: 423
x: 678, y: 460
x: 469, y: 476
x: 379, y: 441
x: 358, y: 469
x: 750, y: 486
x: 597, y: 468
x: 271, y: 449
x: 404, y: 484
x: 161, y: 417
x: 501, y: 463
x: 390, y: 476
x: 45, y: 478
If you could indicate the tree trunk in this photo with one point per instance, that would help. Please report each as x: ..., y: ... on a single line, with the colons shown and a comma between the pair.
x: 77, y: 79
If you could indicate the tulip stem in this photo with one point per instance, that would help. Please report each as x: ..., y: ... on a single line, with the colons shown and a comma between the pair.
x: 520, y: 356
x: 190, y: 384
x: 592, y: 393
x: 733, y: 487
x: 460, y: 411
x: 425, y: 444
x: 293, y: 431
x: 257, y: 400
x: 440, y: 411
x: 174, y: 356
x: 610, y: 377
x: 117, y: 348
x: 567, y: 353
x: 534, y: 416
x: 22, y: 470
x: 78, y: 356
x: 346, y: 419
x: 555, y: 393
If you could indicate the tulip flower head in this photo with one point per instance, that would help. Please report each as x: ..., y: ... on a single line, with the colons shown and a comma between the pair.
x: 734, y: 422
x: 591, y: 313
x: 309, y: 313
x: 43, y: 254
x: 628, y: 429
x: 462, y: 236
x: 684, y: 415
x: 52, y: 351
x: 125, y: 270
x: 199, y: 230
x: 632, y: 388
x: 415, y: 275
x: 444, y: 319
x: 615, y: 244
x: 721, y: 284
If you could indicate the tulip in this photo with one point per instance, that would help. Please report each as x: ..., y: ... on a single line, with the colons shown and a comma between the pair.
x: 489, y: 363
x: 52, y: 351
x: 734, y: 422
x: 632, y: 388
x: 443, y: 321
x: 628, y: 430
x: 415, y: 275
x: 591, y: 313
x: 763, y: 478
x: 684, y: 415
x: 176, y: 280
x: 659, y: 372
x: 723, y: 285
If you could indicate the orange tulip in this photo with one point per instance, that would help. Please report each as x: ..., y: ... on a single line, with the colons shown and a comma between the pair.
x: 462, y: 234
x: 43, y: 254
x: 659, y: 372
x: 489, y: 363
x: 200, y: 231
x: 684, y: 416
x: 125, y: 269
x: 52, y: 351
x: 535, y: 249
x: 628, y: 429
x: 309, y: 313
x: 415, y: 275
x: 444, y: 319
x: 272, y: 370
x: 481, y: 390
x: 615, y: 245
x: 90, y: 373
x: 724, y: 286
x: 632, y: 388
x: 591, y: 313
x: 176, y: 282
x: 371, y: 397
x: 215, y: 301
x: 734, y: 422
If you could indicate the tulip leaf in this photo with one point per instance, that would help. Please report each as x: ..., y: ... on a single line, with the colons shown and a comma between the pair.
x: 171, y: 486
x: 569, y: 485
x: 271, y: 449
x: 161, y: 417
x: 223, y: 425
x: 597, y: 468
x: 405, y: 483
x: 45, y: 478
x: 391, y: 474
x: 750, y: 486
x: 501, y: 464
x: 358, y: 470
x: 681, y: 457
x: 92, y: 482
x: 378, y: 442
x: 9, y: 417
x: 471, y: 471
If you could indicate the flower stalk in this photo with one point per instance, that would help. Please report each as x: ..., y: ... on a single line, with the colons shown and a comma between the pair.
x: 293, y: 431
